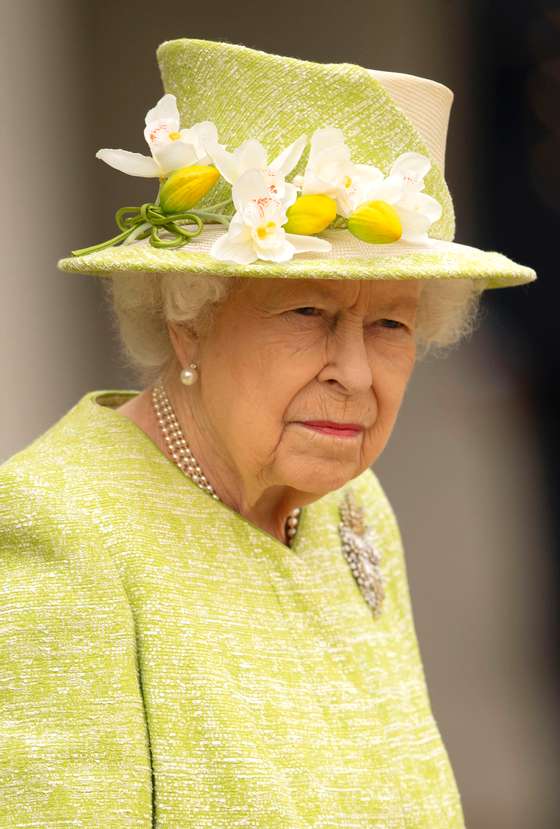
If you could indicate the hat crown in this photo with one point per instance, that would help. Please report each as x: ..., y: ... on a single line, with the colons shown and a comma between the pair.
x: 248, y: 94
x: 426, y: 103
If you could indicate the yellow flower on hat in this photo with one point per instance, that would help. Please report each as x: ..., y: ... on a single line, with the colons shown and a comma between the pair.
x: 375, y: 221
x: 310, y: 214
x: 170, y: 146
x: 186, y: 186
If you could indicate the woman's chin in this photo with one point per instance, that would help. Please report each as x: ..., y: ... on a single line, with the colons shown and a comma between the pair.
x: 320, y: 464
x: 320, y: 477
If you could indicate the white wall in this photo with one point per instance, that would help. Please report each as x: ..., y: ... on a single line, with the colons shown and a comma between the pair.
x: 54, y: 338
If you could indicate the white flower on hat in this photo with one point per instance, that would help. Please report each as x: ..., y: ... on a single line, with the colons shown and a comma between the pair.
x: 171, y: 147
x: 251, y: 155
x: 331, y: 171
x: 255, y: 230
x: 417, y: 210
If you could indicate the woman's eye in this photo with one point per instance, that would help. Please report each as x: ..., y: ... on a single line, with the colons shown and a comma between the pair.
x: 392, y: 324
x: 307, y: 311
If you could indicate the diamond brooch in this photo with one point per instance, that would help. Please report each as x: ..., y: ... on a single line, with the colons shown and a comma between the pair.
x: 360, y: 551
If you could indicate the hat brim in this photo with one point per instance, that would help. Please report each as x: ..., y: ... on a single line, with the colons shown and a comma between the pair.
x: 349, y: 258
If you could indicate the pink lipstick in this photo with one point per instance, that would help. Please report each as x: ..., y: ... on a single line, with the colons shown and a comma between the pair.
x: 329, y: 427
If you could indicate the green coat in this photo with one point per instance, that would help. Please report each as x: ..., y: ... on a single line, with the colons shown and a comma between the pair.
x: 165, y: 663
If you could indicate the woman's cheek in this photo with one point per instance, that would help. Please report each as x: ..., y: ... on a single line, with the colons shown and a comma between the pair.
x: 387, y: 407
x: 376, y: 434
x: 391, y: 374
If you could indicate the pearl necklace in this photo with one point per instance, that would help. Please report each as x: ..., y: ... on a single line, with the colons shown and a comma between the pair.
x: 181, y: 452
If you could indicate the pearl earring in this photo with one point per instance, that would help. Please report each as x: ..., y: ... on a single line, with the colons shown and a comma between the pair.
x: 189, y: 375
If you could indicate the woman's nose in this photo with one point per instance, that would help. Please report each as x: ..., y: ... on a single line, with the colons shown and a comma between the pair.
x: 348, y: 363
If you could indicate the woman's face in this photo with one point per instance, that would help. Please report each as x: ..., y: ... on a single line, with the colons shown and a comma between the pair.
x: 284, y: 353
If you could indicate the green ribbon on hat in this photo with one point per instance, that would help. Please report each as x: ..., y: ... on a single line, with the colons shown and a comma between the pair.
x: 147, y: 220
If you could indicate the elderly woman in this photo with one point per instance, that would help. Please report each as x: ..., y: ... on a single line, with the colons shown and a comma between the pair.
x: 207, y: 620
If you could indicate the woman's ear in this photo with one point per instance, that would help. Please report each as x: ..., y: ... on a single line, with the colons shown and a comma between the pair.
x: 184, y: 341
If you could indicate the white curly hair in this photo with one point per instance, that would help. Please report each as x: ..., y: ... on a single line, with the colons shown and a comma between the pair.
x: 141, y: 304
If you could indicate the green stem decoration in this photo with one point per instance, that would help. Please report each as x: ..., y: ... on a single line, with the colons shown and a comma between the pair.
x: 140, y: 232
x: 212, y: 217
x: 147, y: 220
x: 220, y: 205
x: 339, y: 223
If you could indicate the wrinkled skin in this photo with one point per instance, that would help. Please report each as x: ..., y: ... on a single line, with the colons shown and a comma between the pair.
x: 279, y: 352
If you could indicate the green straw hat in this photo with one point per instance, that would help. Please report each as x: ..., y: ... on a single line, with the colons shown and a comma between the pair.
x: 272, y: 166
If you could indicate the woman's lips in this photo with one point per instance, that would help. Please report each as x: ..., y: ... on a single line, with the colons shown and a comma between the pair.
x: 328, y: 427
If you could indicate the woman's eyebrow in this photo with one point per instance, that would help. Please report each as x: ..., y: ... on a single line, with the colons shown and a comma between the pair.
x: 307, y: 294
x: 407, y: 303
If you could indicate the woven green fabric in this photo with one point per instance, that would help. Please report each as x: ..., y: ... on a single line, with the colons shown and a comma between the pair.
x: 249, y: 93
x: 165, y: 663
x: 489, y: 269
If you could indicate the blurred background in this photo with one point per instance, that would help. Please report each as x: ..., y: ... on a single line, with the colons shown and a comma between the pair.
x: 473, y: 465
